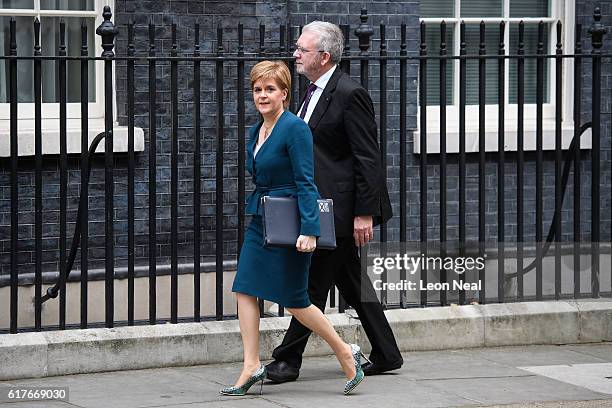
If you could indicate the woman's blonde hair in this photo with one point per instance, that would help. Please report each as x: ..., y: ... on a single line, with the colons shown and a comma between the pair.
x: 276, y: 70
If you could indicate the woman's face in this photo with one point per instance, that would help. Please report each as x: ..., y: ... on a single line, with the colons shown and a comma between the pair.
x: 268, y: 96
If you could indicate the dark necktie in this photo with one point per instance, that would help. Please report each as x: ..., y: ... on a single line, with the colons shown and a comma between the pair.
x: 311, y: 88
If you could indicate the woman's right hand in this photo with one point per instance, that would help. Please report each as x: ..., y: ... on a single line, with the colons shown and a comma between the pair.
x: 306, y: 243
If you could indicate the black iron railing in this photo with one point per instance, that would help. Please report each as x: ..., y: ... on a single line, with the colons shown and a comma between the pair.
x: 219, y: 61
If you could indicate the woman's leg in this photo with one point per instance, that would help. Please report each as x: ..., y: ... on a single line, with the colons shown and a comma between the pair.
x: 316, y: 321
x: 248, y: 316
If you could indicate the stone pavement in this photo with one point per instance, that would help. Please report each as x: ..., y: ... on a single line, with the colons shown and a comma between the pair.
x: 523, y: 376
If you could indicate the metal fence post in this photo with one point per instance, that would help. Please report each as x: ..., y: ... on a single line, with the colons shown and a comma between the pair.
x: 597, y: 31
x: 14, y: 177
x: 108, y: 31
x: 364, y: 32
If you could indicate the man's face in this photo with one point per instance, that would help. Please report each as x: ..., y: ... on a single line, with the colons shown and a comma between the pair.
x: 308, y: 59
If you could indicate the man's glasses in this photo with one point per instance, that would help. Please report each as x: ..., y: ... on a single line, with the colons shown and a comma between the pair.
x: 302, y: 50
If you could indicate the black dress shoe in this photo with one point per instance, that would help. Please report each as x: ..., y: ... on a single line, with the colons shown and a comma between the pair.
x: 280, y: 372
x: 371, y: 368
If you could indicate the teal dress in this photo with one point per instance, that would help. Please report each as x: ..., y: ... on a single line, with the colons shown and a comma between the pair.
x: 283, y: 167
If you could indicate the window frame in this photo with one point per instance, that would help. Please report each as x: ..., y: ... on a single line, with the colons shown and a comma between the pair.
x: 50, y: 110
x: 559, y: 10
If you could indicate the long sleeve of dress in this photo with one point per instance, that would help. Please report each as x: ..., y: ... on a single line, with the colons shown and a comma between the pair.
x: 300, y: 148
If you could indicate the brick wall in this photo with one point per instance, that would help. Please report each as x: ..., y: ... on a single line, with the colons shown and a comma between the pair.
x: 584, y: 16
x: 210, y: 15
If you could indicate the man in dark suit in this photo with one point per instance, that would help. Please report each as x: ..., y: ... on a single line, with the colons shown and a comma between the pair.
x: 348, y: 170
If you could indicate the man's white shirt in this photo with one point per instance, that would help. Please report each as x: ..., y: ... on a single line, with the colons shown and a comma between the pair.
x: 321, y: 83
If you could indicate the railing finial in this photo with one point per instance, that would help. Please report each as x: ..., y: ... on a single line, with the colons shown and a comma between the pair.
x: 364, y: 32
x: 597, y: 30
x: 107, y: 31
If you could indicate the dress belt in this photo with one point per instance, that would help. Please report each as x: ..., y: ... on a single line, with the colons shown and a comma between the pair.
x: 264, y: 189
x: 260, y: 191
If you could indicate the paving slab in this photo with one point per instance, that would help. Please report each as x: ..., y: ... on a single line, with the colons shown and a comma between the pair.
x: 490, y: 377
x: 454, y: 364
x: 555, y: 404
x: 40, y: 404
x: 601, y: 351
x: 507, y: 390
x: 542, y: 355
x: 397, y: 392
x: 595, y: 377
x: 137, y: 388
x: 240, y: 402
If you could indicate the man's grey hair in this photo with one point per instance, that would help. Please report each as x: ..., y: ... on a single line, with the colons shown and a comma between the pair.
x: 330, y: 38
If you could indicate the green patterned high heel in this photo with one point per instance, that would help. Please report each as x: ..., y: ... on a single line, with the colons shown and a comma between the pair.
x: 354, y: 382
x: 257, y: 376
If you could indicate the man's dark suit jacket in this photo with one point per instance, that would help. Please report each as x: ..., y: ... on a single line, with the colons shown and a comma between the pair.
x: 346, y: 153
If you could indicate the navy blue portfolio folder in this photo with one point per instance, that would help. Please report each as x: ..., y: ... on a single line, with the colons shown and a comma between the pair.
x: 281, y: 222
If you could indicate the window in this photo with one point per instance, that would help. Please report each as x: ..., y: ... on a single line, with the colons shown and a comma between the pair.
x: 50, y: 12
x: 492, y: 12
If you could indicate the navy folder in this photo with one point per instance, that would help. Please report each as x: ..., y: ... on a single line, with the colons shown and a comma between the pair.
x: 281, y: 222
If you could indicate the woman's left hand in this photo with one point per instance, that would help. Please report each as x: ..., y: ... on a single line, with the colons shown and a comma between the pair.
x: 306, y: 243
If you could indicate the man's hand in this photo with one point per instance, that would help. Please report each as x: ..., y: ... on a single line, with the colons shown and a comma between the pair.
x: 362, y: 229
x: 306, y: 243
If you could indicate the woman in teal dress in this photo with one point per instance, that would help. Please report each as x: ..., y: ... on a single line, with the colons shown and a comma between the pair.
x: 280, y: 159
